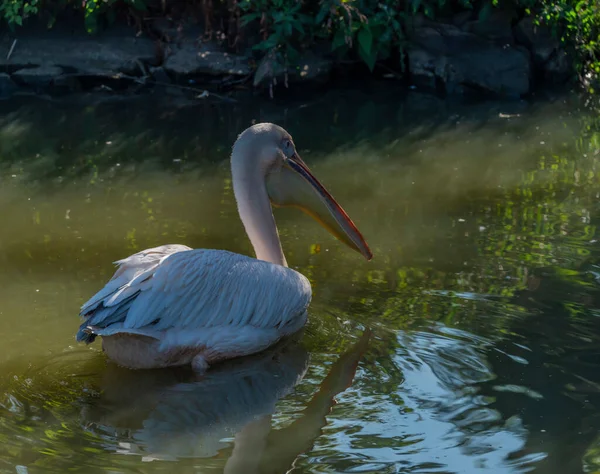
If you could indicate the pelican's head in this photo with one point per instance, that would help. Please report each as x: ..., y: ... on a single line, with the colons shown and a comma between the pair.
x: 265, y: 153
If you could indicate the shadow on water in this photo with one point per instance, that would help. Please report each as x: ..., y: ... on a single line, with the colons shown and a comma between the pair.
x: 554, y: 384
x: 51, y: 141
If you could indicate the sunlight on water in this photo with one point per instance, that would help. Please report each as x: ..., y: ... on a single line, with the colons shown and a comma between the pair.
x: 482, y: 296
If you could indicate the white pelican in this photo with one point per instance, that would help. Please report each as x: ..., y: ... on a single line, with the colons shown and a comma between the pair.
x: 172, y: 306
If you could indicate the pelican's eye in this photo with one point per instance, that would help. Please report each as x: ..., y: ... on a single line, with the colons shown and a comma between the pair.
x: 288, y: 148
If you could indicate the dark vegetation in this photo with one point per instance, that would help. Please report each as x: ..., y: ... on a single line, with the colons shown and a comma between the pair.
x: 370, y: 31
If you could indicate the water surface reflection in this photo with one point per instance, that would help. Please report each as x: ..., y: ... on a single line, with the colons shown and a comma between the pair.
x: 482, y: 298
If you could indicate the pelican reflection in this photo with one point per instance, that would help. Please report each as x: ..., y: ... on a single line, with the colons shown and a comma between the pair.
x: 170, y: 414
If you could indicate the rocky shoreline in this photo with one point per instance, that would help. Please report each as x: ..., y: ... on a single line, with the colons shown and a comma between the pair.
x: 461, y: 56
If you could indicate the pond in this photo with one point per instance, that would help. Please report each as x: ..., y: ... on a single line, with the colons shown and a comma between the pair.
x: 469, y: 344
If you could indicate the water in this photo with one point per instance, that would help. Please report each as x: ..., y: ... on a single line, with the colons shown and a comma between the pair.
x: 470, y: 343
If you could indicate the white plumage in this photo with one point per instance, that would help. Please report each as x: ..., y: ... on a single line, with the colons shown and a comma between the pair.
x: 212, y: 300
x: 172, y: 305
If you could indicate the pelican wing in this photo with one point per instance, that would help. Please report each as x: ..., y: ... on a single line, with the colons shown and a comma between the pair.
x: 175, y: 287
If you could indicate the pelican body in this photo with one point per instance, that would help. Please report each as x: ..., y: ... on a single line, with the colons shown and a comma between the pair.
x: 173, y: 305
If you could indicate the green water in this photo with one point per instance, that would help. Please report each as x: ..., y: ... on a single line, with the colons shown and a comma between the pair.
x: 482, y: 298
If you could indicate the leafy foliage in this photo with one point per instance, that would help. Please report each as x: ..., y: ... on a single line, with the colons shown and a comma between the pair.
x: 282, y: 22
x: 369, y: 30
x: 374, y: 30
x: 576, y: 23
x: 15, y: 11
x: 93, y: 9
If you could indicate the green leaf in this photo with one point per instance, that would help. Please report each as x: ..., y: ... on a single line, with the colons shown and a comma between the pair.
x: 338, y: 40
x: 292, y: 53
x: 249, y: 17
x: 306, y: 19
x: 368, y: 57
x: 322, y: 14
x: 19, y: 20
x: 365, y: 38
x: 269, y: 43
x: 485, y: 12
x: 298, y: 26
x: 90, y: 22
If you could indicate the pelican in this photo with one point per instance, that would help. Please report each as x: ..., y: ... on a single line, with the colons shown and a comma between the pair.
x: 173, y: 305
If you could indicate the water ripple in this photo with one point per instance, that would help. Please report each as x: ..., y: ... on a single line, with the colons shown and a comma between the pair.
x: 435, y: 420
